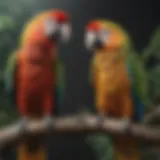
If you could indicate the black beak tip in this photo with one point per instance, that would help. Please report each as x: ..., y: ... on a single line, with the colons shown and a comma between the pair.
x: 98, y: 44
x: 54, y: 36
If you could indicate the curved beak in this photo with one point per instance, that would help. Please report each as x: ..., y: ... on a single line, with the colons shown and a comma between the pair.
x: 65, y: 32
x: 98, y: 44
x: 92, y: 41
x: 57, y: 32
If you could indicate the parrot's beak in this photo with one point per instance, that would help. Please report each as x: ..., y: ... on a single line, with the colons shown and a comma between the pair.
x: 92, y: 41
x: 98, y: 44
x: 57, y: 32
x: 65, y: 32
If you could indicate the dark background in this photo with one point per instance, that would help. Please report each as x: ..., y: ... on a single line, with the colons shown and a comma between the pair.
x: 138, y: 17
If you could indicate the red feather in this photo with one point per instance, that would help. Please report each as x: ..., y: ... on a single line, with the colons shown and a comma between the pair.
x: 93, y: 26
x: 61, y: 16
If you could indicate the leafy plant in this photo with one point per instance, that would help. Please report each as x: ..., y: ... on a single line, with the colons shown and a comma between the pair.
x: 153, y: 47
x: 152, y: 53
x: 102, y: 145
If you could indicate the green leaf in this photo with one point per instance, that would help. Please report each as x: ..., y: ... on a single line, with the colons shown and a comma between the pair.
x: 154, y: 79
x: 102, y: 145
x: 6, y: 22
x: 153, y: 47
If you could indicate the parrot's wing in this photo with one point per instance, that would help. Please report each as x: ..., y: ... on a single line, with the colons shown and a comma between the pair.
x: 92, y: 71
x: 60, y: 84
x: 10, y: 76
x: 10, y: 73
x: 139, y: 86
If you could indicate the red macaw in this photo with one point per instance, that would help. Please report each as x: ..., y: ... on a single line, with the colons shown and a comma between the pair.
x: 35, y: 72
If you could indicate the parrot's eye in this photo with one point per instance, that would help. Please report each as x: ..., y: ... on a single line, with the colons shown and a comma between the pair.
x: 104, y: 34
x: 50, y: 27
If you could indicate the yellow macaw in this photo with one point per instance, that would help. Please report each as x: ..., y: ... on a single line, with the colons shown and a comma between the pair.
x: 118, y: 79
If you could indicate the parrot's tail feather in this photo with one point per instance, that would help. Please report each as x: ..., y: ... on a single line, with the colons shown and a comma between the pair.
x: 32, y: 148
x: 124, y: 156
x: 126, y: 148
x: 25, y: 154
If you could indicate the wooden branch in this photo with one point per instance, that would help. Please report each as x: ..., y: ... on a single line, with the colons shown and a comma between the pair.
x: 80, y: 124
x: 153, y: 115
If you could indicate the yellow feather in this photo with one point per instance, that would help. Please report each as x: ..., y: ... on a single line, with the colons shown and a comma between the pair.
x: 23, y: 154
x: 31, y: 26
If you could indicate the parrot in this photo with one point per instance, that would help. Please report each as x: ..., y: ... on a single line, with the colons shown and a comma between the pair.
x: 119, y: 81
x: 35, y: 75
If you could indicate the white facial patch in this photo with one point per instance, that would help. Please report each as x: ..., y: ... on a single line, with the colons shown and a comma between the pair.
x: 50, y: 27
x: 90, y: 38
x: 65, y: 31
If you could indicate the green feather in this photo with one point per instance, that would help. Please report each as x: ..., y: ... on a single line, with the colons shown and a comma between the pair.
x: 140, y: 77
x: 140, y: 74
x: 60, y: 83
x: 9, y: 74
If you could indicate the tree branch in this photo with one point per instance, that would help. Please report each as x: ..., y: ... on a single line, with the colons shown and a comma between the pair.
x: 80, y: 124
x: 152, y: 116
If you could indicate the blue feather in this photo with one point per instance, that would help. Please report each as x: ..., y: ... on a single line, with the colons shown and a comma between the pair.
x: 137, y: 103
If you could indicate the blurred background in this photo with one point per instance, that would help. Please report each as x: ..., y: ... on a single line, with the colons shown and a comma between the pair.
x: 139, y: 18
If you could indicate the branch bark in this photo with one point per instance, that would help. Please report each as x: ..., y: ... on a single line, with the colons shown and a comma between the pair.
x: 152, y: 116
x: 80, y: 124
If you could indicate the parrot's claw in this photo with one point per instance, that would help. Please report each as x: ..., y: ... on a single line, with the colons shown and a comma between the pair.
x: 23, y: 126
x: 126, y: 124
x: 48, y: 122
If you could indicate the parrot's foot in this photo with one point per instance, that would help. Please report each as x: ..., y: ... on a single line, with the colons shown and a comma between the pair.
x: 100, y: 119
x: 48, y: 122
x: 126, y: 125
x: 23, y: 126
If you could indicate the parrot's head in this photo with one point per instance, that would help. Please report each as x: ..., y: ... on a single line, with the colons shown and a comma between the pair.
x: 57, y: 26
x: 50, y: 26
x: 104, y: 35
